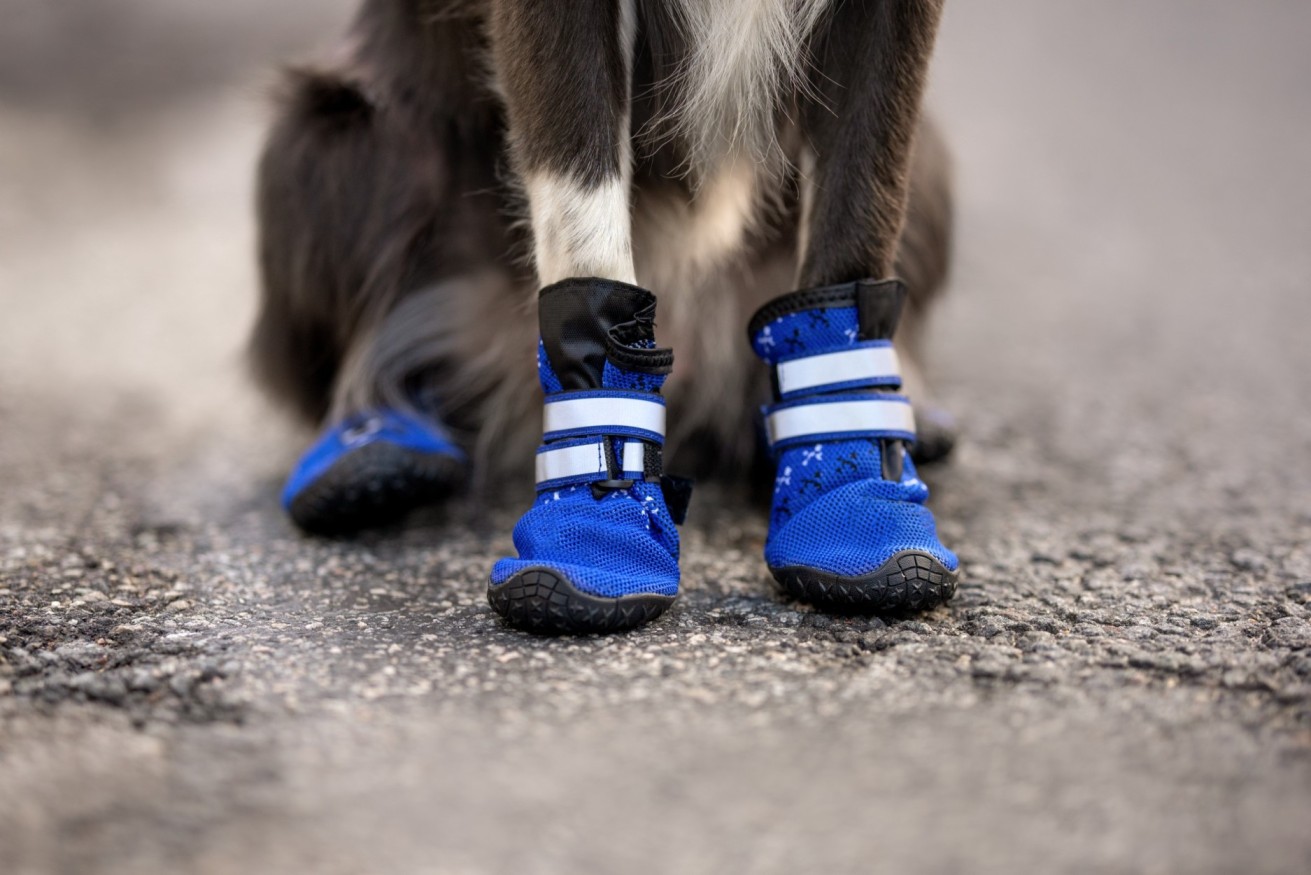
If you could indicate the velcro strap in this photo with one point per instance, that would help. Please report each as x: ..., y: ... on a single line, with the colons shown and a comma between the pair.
x: 870, y: 363
x: 605, y: 412
x: 586, y: 462
x: 634, y: 459
x: 833, y: 417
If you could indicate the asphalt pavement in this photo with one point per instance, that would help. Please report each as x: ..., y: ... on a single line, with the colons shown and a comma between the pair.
x: 1122, y: 684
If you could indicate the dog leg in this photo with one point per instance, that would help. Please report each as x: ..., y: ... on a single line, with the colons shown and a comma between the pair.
x: 871, y: 63
x: 598, y: 550
x: 564, y: 72
x: 849, y: 530
x: 873, y: 156
x: 385, y: 287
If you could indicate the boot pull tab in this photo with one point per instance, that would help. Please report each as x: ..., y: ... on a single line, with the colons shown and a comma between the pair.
x: 878, y: 307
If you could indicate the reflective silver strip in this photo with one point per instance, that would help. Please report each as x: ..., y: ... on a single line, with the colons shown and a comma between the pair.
x: 849, y: 365
x: 600, y: 414
x: 587, y: 460
x: 838, y: 417
x: 573, y: 461
x: 634, y: 457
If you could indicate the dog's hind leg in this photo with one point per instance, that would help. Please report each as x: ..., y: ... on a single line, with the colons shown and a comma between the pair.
x: 343, y: 242
x: 849, y: 529
x: 386, y: 285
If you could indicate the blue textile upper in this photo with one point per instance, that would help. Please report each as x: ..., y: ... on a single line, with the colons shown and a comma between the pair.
x: 618, y: 538
x: 362, y: 429
x: 839, y: 506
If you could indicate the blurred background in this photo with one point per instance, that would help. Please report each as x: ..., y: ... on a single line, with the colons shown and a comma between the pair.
x: 1123, y: 683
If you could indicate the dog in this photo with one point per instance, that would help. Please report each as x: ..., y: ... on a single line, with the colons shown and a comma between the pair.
x: 455, y: 156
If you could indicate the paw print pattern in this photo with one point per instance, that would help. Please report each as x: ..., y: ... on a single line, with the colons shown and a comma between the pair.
x: 805, y: 473
x: 649, y: 510
x: 782, y: 511
x: 812, y: 330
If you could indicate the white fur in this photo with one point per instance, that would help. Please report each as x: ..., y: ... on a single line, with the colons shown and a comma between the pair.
x: 581, y: 230
x: 683, y: 239
x: 743, y: 57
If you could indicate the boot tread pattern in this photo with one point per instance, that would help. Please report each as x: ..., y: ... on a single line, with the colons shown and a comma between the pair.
x: 541, y: 601
x: 372, y: 486
x: 909, y: 581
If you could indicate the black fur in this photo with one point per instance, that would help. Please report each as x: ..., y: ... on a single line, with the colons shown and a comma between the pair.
x: 392, y: 247
x: 870, y: 66
x: 565, y: 82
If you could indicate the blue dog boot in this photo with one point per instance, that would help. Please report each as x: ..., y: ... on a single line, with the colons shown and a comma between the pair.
x: 370, y: 469
x: 598, y: 550
x: 848, y: 528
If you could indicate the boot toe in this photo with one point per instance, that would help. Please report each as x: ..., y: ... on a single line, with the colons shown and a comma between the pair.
x: 370, y: 470
x: 854, y: 549
x: 588, y: 565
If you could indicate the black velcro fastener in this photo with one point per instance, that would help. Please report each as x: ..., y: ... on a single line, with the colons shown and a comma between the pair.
x: 614, y: 481
x: 613, y: 464
x: 678, y: 495
x: 653, y: 461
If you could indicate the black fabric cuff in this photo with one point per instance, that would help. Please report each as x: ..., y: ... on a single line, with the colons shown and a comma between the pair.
x: 584, y: 321
x: 878, y: 304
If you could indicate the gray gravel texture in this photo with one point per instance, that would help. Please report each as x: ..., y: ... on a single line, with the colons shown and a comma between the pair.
x: 1123, y: 683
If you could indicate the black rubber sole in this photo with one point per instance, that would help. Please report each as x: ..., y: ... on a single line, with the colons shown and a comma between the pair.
x: 374, y: 486
x: 543, y: 602
x: 910, y: 581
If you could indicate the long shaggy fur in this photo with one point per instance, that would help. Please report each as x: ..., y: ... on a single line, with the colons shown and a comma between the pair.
x: 742, y: 61
x: 392, y: 243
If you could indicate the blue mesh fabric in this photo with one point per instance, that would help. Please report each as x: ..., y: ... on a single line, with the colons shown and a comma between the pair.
x: 419, y: 434
x: 852, y: 531
x: 634, y: 381
x: 624, y: 543
x: 545, y: 373
x: 807, y: 473
x: 832, y: 509
x: 815, y: 331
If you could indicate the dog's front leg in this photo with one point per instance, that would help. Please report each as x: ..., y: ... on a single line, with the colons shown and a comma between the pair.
x: 564, y: 70
x: 871, y: 66
x: 598, y: 550
x: 871, y: 69
x: 849, y: 529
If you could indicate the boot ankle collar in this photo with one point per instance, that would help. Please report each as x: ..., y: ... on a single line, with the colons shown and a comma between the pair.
x: 584, y: 321
x: 878, y: 304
